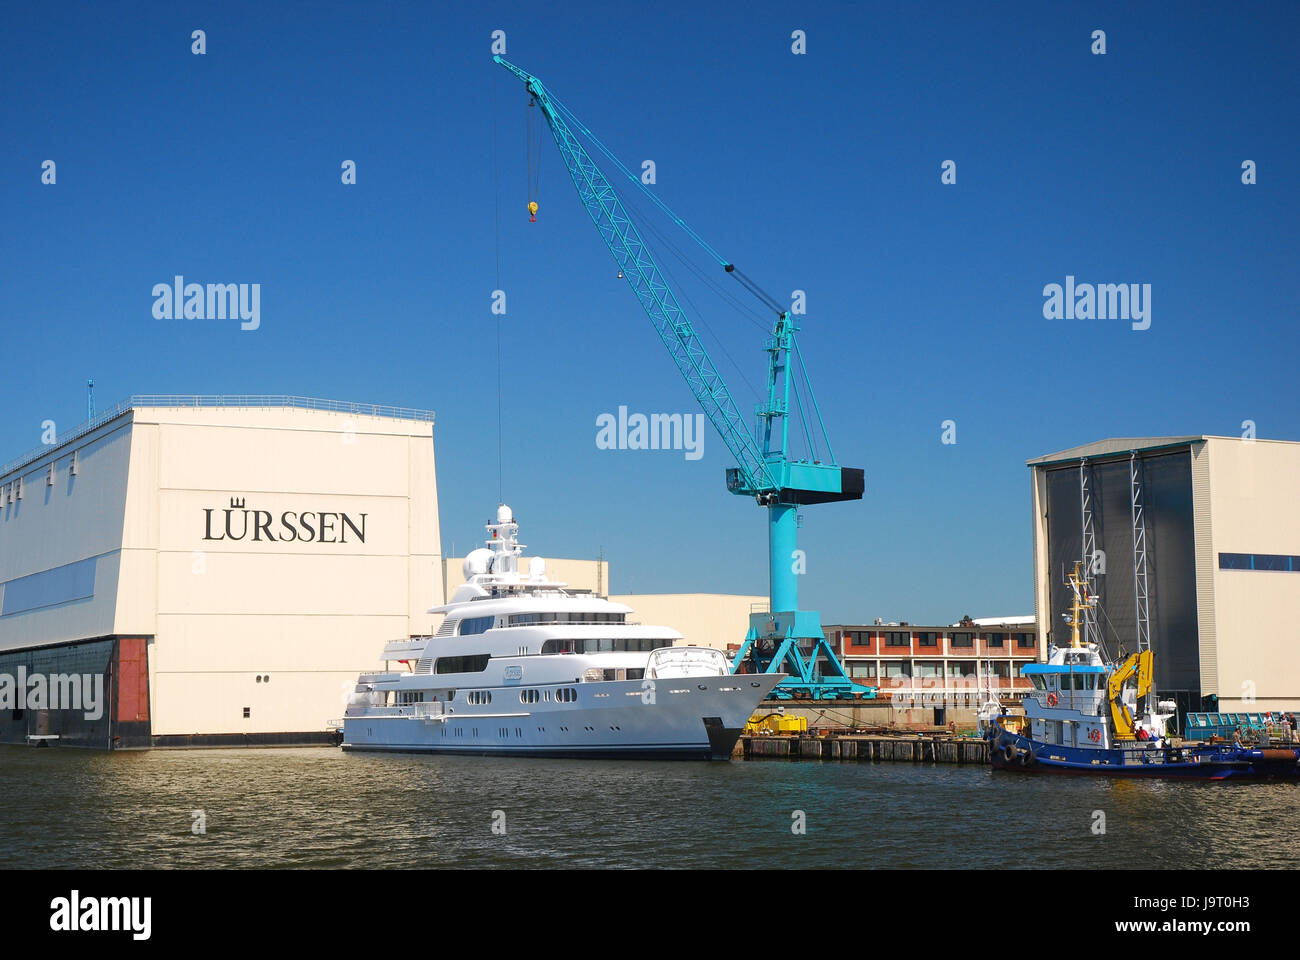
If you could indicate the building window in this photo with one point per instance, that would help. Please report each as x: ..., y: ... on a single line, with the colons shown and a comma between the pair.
x: 893, y: 639
x: 1259, y: 561
x: 248, y: 712
x: 995, y: 639
x: 898, y: 668
x: 1026, y: 640
x: 929, y: 668
x: 963, y: 639
x: 928, y: 638
x: 866, y: 671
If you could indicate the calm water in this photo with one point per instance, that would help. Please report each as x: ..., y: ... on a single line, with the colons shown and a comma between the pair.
x: 322, y: 808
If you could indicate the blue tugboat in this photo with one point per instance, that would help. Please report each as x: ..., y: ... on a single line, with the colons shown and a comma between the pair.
x: 1083, y: 717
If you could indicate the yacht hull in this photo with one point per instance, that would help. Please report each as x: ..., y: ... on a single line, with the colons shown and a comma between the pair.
x: 689, y: 718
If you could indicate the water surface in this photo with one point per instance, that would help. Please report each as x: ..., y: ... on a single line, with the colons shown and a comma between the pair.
x: 322, y: 808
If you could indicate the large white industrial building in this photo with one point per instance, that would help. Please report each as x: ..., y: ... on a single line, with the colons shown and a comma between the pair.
x: 227, y: 563
x: 1195, y: 542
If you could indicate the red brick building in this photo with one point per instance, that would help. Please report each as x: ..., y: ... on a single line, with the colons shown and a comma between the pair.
x: 937, y: 664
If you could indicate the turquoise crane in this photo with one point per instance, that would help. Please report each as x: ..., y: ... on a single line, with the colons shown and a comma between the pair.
x: 785, y: 639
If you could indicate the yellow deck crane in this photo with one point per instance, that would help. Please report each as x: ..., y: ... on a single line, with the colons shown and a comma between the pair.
x: 1140, y: 664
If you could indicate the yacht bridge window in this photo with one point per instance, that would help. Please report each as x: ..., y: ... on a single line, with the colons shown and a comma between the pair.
x: 567, y: 617
x: 606, y: 645
x: 472, y: 625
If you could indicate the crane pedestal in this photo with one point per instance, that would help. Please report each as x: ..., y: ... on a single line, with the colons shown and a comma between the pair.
x: 792, y: 642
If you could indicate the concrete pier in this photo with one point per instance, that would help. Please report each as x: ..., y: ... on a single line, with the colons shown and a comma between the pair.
x: 915, y: 749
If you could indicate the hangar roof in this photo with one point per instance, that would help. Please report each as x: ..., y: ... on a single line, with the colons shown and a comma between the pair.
x: 1117, y: 446
x: 232, y: 401
x: 1110, y: 447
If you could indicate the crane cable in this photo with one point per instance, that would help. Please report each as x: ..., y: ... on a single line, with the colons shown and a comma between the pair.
x: 749, y: 284
x: 726, y: 265
x: 681, y: 292
x: 532, y: 152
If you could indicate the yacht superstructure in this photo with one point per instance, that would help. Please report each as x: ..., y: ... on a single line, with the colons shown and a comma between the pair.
x: 522, y: 666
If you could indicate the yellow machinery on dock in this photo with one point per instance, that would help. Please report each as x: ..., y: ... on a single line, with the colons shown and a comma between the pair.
x: 775, y: 724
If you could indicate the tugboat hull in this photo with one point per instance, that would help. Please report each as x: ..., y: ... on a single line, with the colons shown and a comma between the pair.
x: 1016, y: 753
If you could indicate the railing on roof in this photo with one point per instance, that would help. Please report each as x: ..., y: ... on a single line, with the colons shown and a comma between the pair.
x: 214, y: 400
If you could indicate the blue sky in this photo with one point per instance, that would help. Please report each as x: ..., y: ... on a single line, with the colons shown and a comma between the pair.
x: 818, y: 172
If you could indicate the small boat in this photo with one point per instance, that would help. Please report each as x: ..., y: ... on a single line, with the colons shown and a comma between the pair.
x: 1083, y: 716
x: 522, y: 667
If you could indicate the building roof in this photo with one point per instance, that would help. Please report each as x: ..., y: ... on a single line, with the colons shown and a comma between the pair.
x: 1119, y: 446
x: 1112, y: 446
x: 218, y: 400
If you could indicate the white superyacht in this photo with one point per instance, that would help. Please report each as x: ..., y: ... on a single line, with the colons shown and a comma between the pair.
x: 520, y: 666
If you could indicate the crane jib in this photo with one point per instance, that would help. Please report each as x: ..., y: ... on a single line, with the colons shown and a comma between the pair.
x: 757, y: 474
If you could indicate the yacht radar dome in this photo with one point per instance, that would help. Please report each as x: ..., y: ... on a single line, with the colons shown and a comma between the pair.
x: 476, y: 563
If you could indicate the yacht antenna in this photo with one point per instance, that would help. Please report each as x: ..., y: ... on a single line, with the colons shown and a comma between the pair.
x: 496, y: 191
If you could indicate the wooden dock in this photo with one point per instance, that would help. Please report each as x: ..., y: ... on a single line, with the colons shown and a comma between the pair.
x: 914, y: 749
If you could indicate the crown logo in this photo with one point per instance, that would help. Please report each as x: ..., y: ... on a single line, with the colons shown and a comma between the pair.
x: 236, y: 503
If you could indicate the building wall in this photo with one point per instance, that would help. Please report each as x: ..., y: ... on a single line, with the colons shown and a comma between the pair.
x: 304, y: 616
x: 1168, y: 507
x: 1041, y: 567
x: 251, y: 615
x: 937, y: 673
x: 1254, y: 495
x: 77, y: 519
x: 704, y: 619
